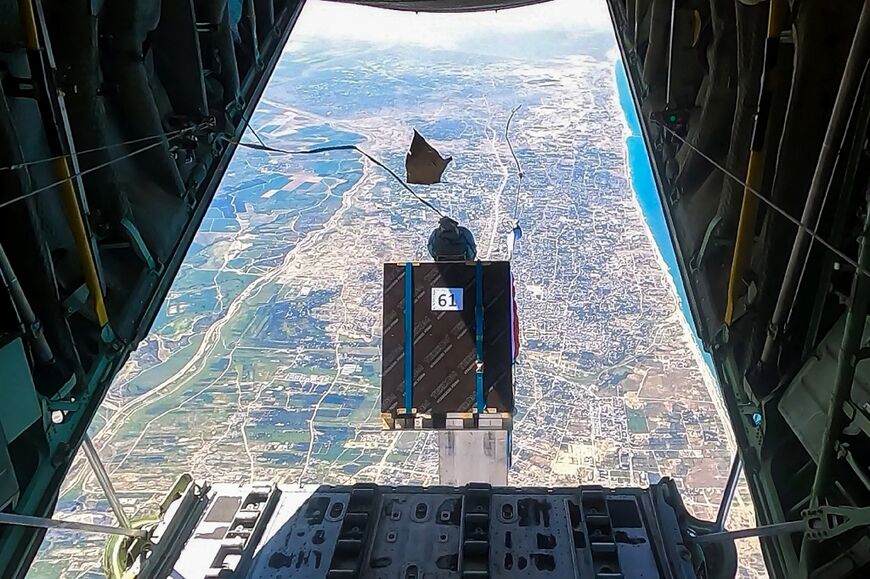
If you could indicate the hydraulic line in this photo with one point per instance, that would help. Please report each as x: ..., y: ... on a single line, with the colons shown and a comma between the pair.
x: 854, y: 145
x: 79, y: 152
x: 843, y: 106
x: 34, y: 192
x: 853, y: 332
x: 71, y: 207
x: 755, y: 169
x: 25, y: 312
x: 806, y: 228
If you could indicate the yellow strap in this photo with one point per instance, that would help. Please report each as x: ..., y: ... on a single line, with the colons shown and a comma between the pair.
x: 749, y: 207
x: 77, y: 226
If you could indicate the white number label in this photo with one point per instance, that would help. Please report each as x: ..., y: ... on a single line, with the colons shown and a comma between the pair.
x: 446, y: 299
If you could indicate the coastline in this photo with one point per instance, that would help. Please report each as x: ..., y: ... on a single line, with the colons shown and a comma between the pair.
x: 640, y: 179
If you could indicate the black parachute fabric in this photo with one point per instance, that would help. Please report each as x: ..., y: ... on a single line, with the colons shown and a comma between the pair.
x: 423, y: 164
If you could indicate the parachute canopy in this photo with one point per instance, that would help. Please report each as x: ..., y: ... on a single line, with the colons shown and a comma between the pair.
x: 423, y: 164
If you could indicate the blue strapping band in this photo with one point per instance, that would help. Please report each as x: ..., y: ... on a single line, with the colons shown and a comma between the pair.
x: 409, y: 337
x: 478, y: 322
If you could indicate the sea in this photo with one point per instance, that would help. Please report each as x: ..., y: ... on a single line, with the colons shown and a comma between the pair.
x: 645, y: 189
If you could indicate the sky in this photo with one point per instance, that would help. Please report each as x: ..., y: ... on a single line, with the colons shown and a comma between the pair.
x: 327, y: 20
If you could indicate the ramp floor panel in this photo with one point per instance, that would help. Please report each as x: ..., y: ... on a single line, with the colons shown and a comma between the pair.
x: 378, y: 532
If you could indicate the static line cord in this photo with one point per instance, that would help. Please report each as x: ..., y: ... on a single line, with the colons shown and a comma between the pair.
x: 800, y: 224
x: 253, y: 130
x: 25, y: 164
x: 84, y: 172
x: 520, y: 173
x: 328, y: 149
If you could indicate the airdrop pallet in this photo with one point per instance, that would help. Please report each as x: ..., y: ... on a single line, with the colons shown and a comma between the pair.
x: 448, y: 332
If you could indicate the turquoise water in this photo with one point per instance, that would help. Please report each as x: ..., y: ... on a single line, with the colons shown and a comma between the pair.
x: 648, y: 197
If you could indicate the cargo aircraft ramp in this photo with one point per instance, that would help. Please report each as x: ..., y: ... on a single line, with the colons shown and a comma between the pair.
x: 118, y: 120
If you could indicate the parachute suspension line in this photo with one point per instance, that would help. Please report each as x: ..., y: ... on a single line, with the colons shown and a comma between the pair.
x: 520, y: 173
x: 797, y: 222
x: 318, y: 150
x: 515, y: 233
x: 254, y: 131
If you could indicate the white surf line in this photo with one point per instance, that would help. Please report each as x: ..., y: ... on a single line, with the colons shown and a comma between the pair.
x: 688, y: 334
